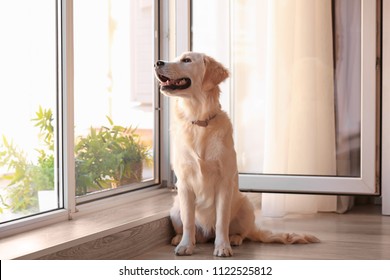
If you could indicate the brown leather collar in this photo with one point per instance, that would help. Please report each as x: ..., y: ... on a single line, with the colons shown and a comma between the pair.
x: 205, y: 122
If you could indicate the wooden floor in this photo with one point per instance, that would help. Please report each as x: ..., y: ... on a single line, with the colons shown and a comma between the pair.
x: 143, y: 231
x: 362, y: 233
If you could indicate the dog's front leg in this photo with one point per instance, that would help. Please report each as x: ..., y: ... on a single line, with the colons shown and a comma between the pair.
x: 187, y: 213
x: 223, y: 208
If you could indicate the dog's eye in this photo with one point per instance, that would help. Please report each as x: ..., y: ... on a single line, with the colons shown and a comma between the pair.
x: 186, y: 60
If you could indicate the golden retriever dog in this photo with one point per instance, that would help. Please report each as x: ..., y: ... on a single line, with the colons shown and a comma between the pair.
x: 209, y: 204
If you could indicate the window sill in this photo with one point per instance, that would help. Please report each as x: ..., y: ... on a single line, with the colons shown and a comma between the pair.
x: 91, y: 226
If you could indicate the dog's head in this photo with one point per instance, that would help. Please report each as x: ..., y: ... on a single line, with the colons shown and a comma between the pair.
x: 189, y: 74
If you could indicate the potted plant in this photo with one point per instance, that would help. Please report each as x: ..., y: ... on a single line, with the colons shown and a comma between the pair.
x: 109, y: 157
x: 26, y: 178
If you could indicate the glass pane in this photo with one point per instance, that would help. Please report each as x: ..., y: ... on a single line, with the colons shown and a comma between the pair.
x: 28, y: 91
x: 114, y: 94
x: 298, y: 74
x: 212, y: 39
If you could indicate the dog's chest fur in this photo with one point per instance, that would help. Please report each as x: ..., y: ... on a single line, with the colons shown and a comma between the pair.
x: 202, y: 154
x: 200, y: 148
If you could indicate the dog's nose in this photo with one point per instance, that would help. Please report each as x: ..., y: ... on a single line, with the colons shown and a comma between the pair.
x: 159, y: 63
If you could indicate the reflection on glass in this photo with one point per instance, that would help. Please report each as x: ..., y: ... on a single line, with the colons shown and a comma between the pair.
x: 297, y: 86
x: 28, y: 90
x: 113, y: 89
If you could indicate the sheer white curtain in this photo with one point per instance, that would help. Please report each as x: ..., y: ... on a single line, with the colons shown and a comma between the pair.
x: 303, y: 137
x: 300, y: 113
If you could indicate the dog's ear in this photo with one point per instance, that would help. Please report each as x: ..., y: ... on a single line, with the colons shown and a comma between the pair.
x: 215, y: 73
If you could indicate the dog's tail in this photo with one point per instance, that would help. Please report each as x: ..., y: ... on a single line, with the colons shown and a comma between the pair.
x: 266, y: 236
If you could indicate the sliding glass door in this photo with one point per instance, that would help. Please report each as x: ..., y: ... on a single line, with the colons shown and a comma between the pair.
x: 303, y: 93
x: 29, y: 91
x: 114, y: 96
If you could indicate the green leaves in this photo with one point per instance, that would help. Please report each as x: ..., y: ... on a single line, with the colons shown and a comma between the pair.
x: 44, y: 120
x: 26, y: 178
x: 109, y: 157
x: 105, y: 158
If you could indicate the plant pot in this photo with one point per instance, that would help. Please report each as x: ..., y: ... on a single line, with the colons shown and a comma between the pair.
x: 132, y: 173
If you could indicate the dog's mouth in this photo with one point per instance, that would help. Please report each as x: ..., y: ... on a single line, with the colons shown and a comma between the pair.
x: 173, y: 84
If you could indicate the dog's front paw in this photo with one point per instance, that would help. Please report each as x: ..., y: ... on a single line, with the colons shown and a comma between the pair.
x: 184, y: 250
x: 223, y: 251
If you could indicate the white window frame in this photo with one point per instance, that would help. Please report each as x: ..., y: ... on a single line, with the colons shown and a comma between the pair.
x: 66, y: 168
x: 368, y: 182
x: 65, y: 71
